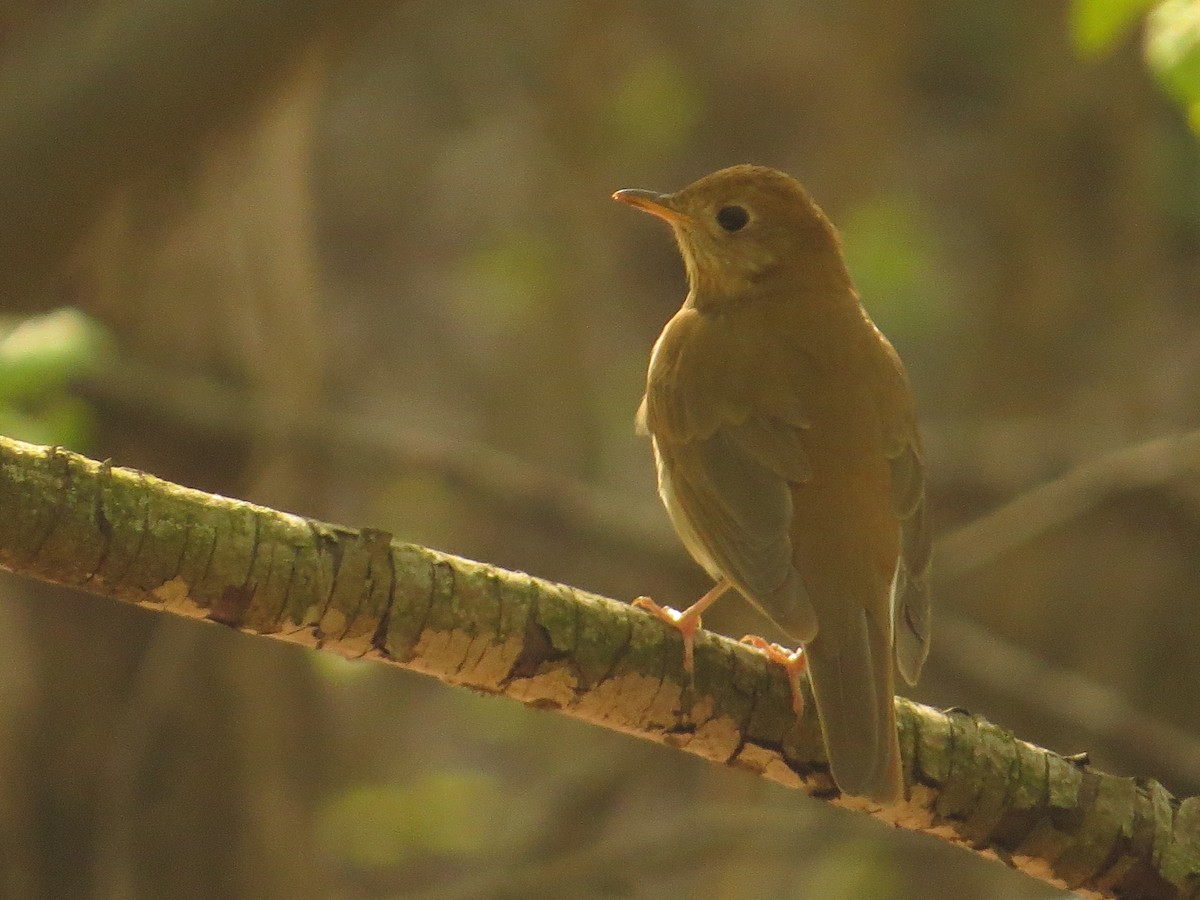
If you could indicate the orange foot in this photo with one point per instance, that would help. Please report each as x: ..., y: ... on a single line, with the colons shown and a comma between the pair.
x: 687, y: 623
x: 793, y: 661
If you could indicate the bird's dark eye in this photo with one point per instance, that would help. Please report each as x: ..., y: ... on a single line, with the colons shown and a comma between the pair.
x: 732, y: 218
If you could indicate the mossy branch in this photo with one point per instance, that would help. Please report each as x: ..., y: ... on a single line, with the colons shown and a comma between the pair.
x: 124, y: 534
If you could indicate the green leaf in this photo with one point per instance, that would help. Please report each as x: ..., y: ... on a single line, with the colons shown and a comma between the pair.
x: 1097, y: 25
x: 62, y: 421
x: 39, y: 355
x: 1173, y: 50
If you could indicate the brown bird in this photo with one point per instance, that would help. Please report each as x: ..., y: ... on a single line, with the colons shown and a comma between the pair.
x: 788, y: 456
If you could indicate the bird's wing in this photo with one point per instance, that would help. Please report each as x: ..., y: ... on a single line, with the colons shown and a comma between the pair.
x: 732, y: 492
x: 706, y: 375
x: 730, y: 443
x: 911, y: 603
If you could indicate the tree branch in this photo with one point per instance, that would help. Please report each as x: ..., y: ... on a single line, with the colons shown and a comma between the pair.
x: 514, y: 487
x: 124, y: 534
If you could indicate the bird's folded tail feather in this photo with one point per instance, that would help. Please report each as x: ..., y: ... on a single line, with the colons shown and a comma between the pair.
x: 855, y: 702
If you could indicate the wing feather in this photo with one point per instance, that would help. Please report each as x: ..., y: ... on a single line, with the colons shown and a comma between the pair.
x: 737, y: 507
x: 912, y: 613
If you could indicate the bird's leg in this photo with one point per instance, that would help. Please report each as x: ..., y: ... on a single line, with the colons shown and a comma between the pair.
x: 793, y: 661
x: 686, y: 622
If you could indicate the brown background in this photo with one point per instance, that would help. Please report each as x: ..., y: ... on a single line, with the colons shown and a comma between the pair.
x: 386, y: 224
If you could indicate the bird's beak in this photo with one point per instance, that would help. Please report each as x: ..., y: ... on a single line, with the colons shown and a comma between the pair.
x: 660, y: 205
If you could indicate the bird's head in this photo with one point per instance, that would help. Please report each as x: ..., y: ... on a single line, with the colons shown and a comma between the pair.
x: 742, y: 228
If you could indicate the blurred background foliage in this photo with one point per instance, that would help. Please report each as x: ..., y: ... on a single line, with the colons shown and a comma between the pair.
x: 358, y: 261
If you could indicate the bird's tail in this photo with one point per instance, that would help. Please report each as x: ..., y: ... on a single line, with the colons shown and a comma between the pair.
x: 853, y: 684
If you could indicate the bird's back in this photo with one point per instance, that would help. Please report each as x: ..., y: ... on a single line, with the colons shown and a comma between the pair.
x: 845, y: 545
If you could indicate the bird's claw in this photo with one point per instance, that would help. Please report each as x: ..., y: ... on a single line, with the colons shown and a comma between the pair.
x: 685, y: 623
x: 794, y: 663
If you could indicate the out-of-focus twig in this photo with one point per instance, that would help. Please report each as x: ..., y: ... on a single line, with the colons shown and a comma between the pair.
x: 1150, y: 464
x: 1089, y: 710
x: 500, y: 479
